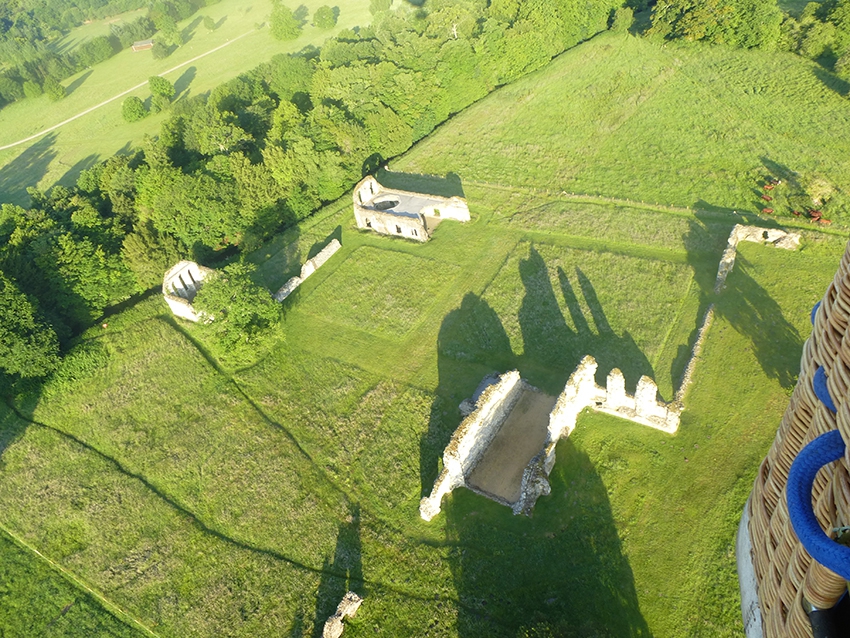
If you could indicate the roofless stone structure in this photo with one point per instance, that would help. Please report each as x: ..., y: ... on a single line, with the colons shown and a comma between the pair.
x: 391, y: 211
x: 180, y: 285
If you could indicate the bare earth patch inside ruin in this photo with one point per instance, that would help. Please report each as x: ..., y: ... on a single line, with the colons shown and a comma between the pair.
x: 523, y: 434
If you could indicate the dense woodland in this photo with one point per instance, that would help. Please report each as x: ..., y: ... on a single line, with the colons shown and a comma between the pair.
x: 265, y: 150
x: 32, y: 64
x: 821, y: 32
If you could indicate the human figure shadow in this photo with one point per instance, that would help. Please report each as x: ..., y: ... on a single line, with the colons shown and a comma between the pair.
x: 552, y: 349
x: 342, y: 573
x: 561, y: 573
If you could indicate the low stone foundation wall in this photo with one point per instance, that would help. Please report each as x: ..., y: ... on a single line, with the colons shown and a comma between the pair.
x: 347, y: 608
x: 755, y: 234
x: 310, y: 266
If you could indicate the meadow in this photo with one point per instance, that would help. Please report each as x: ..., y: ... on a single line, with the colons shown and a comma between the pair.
x: 675, y: 124
x: 59, y: 156
x: 208, y: 495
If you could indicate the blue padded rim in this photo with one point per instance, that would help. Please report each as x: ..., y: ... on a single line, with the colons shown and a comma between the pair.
x: 821, y: 391
x: 815, y: 311
x: 825, y: 449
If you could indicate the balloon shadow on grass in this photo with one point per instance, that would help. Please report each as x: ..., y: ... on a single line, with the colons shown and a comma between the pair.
x: 561, y: 573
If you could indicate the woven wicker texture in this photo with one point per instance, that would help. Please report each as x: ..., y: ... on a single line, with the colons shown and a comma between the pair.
x: 785, y: 572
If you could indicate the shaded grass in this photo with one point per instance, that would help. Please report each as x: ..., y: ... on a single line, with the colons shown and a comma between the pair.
x: 142, y: 410
x: 147, y: 556
x: 556, y: 305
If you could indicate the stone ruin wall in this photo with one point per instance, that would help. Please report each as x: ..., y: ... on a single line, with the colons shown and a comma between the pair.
x: 180, y: 285
x: 476, y: 432
x: 755, y: 234
x: 310, y: 266
x: 347, y: 608
x: 580, y: 392
x: 471, y: 439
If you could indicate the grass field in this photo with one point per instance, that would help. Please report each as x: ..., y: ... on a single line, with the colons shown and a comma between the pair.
x: 683, y: 125
x: 210, y: 497
x: 59, y: 156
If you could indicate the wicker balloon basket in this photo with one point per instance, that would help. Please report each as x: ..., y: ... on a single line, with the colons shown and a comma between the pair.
x: 790, y: 583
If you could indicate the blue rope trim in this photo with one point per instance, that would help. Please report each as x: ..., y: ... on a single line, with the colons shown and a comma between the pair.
x: 815, y: 311
x: 825, y: 449
x: 821, y: 391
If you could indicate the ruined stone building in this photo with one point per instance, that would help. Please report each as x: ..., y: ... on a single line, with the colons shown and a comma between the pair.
x: 398, y: 212
x: 180, y: 285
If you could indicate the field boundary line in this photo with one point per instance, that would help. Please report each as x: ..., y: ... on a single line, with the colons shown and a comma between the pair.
x: 113, y: 608
x: 122, y: 94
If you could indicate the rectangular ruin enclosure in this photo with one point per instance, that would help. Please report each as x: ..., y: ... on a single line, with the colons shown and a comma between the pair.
x: 522, y: 435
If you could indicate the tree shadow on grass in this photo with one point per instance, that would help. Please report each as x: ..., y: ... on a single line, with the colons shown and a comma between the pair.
x: 317, y: 247
x: 190, y: 30
x: 561, y: 573
x: 342, y: 573
x: 26, y: 170
x: 73, y: 174
x: 752, y: 312
x: 181, y: 85
x: 832, y: 81
x: 73, y: 86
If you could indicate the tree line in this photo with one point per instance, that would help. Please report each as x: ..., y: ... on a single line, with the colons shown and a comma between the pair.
x: 30, y: 29
x: 260, y: 152
x: 821, y: 32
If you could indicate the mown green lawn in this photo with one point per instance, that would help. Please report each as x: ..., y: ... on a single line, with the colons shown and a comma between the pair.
x: 222, y: 496
x: 59, y: 156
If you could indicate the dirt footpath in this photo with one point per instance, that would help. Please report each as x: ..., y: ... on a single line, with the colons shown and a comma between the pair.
x: 521, y: 437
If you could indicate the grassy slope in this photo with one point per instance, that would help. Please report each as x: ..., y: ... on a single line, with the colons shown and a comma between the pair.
x: 199, y: 485
x: 623, y: 117
x: 60, y: 155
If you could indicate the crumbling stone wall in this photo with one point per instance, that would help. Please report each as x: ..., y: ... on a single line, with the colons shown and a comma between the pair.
x: 347, y: 608
x: 180, y: 285
x: 477, y: 430
x: 580, y: 392
x: 416, y: 219
x: 756, y: 234
x: 310, y: 266
x: 470, y: 440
